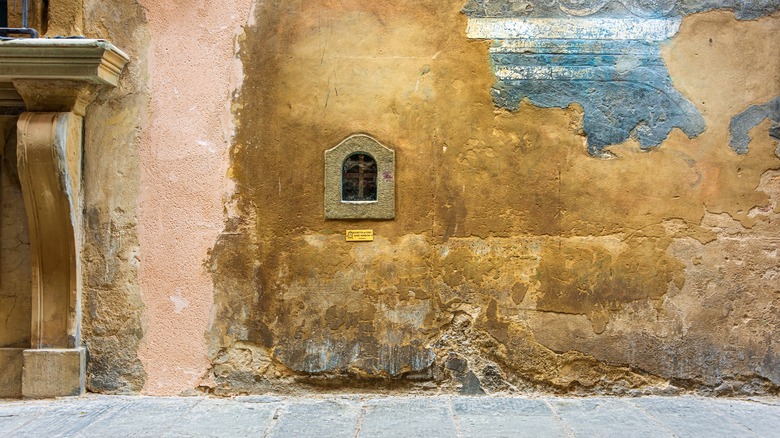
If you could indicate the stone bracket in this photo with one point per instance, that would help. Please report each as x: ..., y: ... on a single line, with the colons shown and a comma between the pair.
x: 49, y: 160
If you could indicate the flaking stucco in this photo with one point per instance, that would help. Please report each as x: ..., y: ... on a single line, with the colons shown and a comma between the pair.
x: 516, y: 261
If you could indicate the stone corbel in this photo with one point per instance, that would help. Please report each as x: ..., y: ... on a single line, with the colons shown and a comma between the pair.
x: 56, y: 80
x: 49, y: 161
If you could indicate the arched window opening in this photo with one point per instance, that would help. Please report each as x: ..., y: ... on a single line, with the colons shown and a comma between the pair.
x: 358, y: 178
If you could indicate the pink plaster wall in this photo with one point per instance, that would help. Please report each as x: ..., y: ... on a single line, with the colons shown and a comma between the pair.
x: 184, y: 160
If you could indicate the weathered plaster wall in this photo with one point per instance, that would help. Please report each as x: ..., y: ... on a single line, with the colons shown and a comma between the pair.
x: 112, y: 301
x: 183, y: 165
x: 517, y: 260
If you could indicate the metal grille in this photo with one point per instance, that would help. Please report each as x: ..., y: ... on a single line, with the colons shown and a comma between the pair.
x: 15, y: 32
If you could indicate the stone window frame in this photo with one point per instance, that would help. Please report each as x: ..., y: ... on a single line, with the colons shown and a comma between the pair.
x: 384, y: 206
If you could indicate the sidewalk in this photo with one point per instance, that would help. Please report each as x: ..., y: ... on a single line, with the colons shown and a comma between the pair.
x: 376, y: 416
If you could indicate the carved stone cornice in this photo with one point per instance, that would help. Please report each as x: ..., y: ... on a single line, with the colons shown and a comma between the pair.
x: 83, y: 60
x: 60, y: 75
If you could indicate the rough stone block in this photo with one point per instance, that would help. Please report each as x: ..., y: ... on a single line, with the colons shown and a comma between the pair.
x: 53, y: 372
x: 11, y: 372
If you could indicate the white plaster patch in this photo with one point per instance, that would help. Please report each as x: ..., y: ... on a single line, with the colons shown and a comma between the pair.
x: 179, y: 303
x: 762, y: 211
x: 208, y: 145
x: 554, y: 73
x: 315, y: 241
x: 625, y: 64
x: 410, y: 315
x: 574, y: 28
x: 770, y: 275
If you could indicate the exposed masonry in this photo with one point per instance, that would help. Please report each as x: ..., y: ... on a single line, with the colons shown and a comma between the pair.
x: 602, y: 54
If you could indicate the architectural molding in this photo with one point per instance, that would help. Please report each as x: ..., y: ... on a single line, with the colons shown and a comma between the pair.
x: 616, y: 8
x: 49, y: 160
x: 573, y: 28
x: 54, y: 81
x: 82, y: 60
x: 58, y: 95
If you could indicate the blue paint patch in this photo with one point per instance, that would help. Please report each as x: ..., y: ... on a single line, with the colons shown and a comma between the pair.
x: 742, y: 123
x: 625, y: 92
x: 602, y: 54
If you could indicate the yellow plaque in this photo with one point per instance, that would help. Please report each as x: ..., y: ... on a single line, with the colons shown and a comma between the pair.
x: 360, y: 235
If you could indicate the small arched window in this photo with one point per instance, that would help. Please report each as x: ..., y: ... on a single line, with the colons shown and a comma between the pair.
x: 358, y: 178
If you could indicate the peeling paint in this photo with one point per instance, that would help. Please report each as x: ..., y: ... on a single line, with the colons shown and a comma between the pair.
x: 743, y: 122
x: 601, y: 54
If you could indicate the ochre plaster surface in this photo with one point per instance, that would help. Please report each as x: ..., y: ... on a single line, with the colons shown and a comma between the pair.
x: 183, y: 165
x: 516, y: 260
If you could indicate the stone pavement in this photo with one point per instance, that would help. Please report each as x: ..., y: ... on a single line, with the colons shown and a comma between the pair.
x: 377, y: 416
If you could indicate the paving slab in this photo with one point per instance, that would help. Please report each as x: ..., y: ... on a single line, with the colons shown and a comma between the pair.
x: 761, y: 419
x: 692, y: 417
x: 428, y: 417
x: 67, y: 419
x: 506, y: 417
x: 607, y: 417
x: 222, y: 418
x: 15, y: 415
x: 316, y: 419
x: 141, y: 417
x: 377, y: 416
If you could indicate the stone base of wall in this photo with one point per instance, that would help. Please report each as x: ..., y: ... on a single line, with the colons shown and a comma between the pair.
x: 50, y: 373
